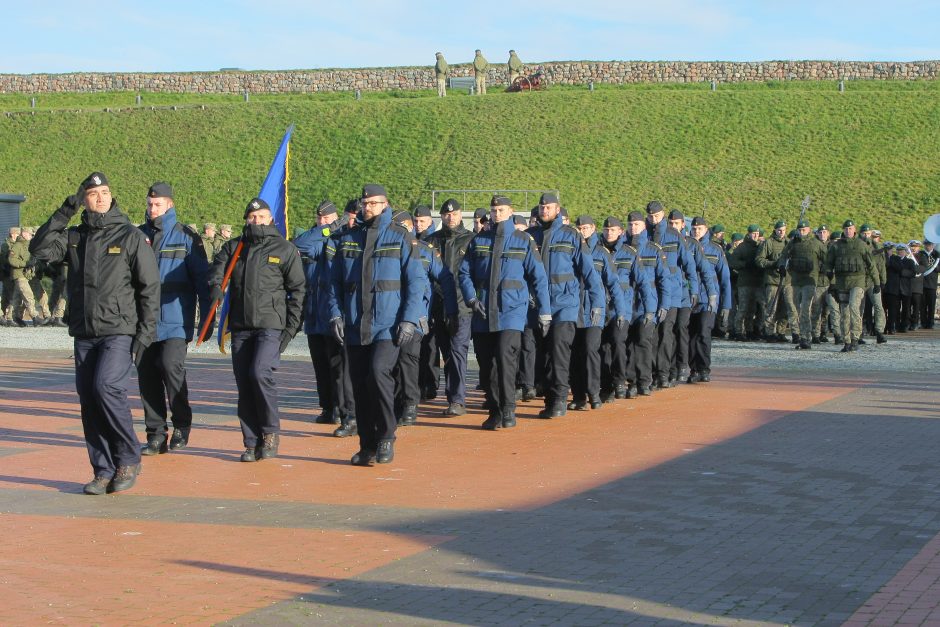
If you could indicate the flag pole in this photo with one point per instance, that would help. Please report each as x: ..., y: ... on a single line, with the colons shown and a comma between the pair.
x: 225, y: 280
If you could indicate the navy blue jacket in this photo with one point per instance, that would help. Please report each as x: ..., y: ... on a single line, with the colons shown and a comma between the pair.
x: 440, y: 276
x: 184, y: 275
x: 616, y: 303
x: 650, y: 275
x: 505, y: 292
x: 677, y: 256
x: 707, y: 282
x: 568, y: 265
x: 715, y: 256
x: 312, y: 246
x: 376, y: 280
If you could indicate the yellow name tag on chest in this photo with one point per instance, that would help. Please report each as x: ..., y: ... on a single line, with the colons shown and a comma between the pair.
x: 274, y: 260
x: 114, y: 250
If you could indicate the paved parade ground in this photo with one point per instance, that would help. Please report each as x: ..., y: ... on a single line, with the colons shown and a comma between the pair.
x: 773, y: 495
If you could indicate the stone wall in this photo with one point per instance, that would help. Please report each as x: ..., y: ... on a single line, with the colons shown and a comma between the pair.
x: 380, y: 79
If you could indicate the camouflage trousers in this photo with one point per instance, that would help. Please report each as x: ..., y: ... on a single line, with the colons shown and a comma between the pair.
x: 481, y: 83
x: 23, y: 300
x: 6, y: 299
x: 40, y: 297
x: 57, y: 298
x: 877, y: 310
x: 746, y: 310
x: 851, y: 310
x: 441, y: 86
x: 805, y: 297
x: 776, y: 322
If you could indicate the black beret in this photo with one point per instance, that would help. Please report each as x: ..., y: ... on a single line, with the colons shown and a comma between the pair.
x: 480, y: 212
x: 675, y: 214
x: 400, y: 215
x: 582, y: 220
x: 699, y: 221
x: 547, y: 198
x: 95, y: 179
x: 519, y: 220
x: 612, y: 221
x: 353, y: 206
x: 635, y: 216
x: 326, y: 208
x: 160, y: 190
x: 368, y: 191
x: 563, y: 212
x: 654, y: 206
x: 499, y: 200
x: 450, y: 205
x: 422, y: 211
x: 256, y: 204
x: 535, y: 212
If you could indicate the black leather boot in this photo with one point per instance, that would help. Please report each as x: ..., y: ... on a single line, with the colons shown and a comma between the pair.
x: 156, y: 444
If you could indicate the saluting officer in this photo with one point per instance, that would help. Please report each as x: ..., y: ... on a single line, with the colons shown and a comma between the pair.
x: 266, y: 293
x: 849, y: 263
x: 114, y: 303
x: 700, y: 327
x: 569, y: 268
x: 327, y: 356
x: 376, y: 296
x: 452, y: 240
x: 802, y: 258
x: 677, y: 257
x: 184, y: 277
x: 586, y: 351
x: 499, y: 272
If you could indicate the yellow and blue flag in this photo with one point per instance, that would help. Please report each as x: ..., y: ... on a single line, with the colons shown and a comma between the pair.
x: 274, y: 192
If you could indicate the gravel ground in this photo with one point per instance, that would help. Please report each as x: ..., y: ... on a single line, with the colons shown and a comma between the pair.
x: 914, y: 352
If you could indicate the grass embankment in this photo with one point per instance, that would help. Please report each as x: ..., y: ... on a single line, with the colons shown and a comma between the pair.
x: 752, y: 151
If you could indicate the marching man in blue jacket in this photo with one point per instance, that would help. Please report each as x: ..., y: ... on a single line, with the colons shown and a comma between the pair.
x: 376, y: 299
x: 499, y: 272
x: 184, y: 272
x: 569, y: 268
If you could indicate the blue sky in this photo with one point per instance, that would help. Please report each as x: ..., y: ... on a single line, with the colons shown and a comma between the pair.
x: 111, y: 35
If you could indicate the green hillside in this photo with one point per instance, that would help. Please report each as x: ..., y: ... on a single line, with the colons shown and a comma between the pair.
x: 751, y: 151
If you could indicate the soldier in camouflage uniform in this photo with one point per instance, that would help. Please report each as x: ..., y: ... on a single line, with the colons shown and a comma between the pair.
x: 22, y: 270
x: 802, y: 259
x: 880, y: 278
x: 849, y: 263
x: 34, y: 275
x: 441, y: 70
x: 6, y: 298
x: 514, y: 65
x: 750, y: 283
x: 767, y: 258
x: 480, y: 66
x: 210, y: 240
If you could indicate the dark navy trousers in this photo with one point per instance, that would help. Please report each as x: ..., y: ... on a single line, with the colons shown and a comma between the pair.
x: 102, y: 376
x: 255, y: 359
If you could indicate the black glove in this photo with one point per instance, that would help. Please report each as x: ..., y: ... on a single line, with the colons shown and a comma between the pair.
x: 834, y: 291
x: 71, y: 204
x: 597, y: 314
x: 648, y: 319
x: 478, y: 308
x: 661, y: 314
x: 406, y: 331
x: 452, y: 324
x: 215, y: 293
x: 338, y: 327
x: 285, y: 340
x: 137, y: 351
x: 621, y: 322
x: 781, y: 270
x: 876, y: 289
x: 545, y: 324
x: 831, y: 274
